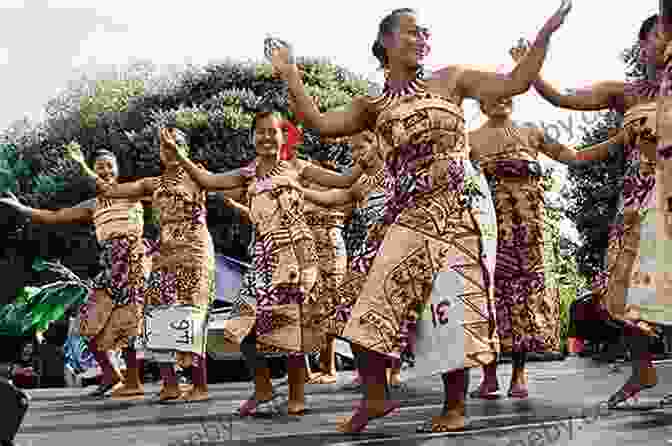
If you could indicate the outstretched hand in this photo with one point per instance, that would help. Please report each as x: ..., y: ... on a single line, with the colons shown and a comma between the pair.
x: 74, y: 152
x: 279, y: 53
x: 557, y: 19
x: 168, y: 139
x: 519, y: 51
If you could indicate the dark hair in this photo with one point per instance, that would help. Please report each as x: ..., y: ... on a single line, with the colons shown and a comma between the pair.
x: 388, y: 25
x: 647, y: 26
x: 104, y: 153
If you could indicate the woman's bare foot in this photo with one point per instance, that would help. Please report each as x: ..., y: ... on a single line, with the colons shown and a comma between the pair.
x: 169, y: 393
x: 197, y: 393
x: 296, y: 407
x: 127, y: 391
x: 322, y: 379
x: 313, y: 377
x: 365, y: 412
x: 448, y: 423
x: 451, y: 420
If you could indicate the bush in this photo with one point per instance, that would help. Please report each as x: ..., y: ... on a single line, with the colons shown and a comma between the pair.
x: 122, y: 111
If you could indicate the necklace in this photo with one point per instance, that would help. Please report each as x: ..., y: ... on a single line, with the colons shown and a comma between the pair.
x: 264, y: 182
x: 393, y: 89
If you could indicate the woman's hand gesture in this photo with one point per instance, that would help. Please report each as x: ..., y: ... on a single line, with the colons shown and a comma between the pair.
x: 279, y: 53
x: 557, y: 19
x: 74, y: 152
x: 519, y: 51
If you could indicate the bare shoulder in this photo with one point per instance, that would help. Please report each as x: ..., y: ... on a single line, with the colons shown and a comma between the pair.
x: 445, y: 81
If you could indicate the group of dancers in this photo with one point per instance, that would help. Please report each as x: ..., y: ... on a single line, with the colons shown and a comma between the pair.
x: 435, y: 200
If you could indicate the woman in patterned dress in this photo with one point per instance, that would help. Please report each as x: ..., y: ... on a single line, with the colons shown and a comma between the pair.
x: 663, y: 306
x: 327, y: 223
x: 527, y: 302
x: 285, y: 310
x: 625, y: 285
x: 368, y: 195
x: 442, y: 217
x: 183, y: 270
x: 112, y: 316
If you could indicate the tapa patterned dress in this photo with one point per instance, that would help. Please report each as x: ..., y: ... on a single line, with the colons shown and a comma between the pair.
x: 628, y: 282
x: 442, y: 221
x: 661, y: 310
x: 526, y: 299
x: 183, y: 271
x: 117, y: 313
x: 328, y: 225
x: 364, y: 243
x: 284, y: 312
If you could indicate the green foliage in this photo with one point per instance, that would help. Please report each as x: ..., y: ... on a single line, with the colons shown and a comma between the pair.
x: 110, y: 96
x: 593, y: 197
x: 122, y: 110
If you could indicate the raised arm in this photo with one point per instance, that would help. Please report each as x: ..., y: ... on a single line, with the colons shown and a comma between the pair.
x: 82, y: 213
x: 211, y: 181
x: 207, y: 180
x: 601, y: 151
x: 597, y: 152
x: 598, y: 96
x: 555, y: 150
x: 478, y: 84
x: 353, y: 119
x: 327, y: 198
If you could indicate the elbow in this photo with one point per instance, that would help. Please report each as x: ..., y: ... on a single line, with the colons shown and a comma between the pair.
x: 521, y: 86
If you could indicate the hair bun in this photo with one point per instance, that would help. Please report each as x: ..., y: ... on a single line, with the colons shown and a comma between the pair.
x: 378, y: 51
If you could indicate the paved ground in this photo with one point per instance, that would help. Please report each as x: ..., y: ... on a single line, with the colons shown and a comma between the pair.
x: 562, y: 410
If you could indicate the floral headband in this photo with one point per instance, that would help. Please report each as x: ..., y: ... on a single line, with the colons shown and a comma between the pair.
x: 294, y: 137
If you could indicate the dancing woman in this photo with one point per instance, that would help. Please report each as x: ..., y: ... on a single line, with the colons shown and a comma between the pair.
x: 285, y: 266
x: 661, y: 309
x: 368, y: 195
x: 624, y: 285
x: 327, y: 224
x: 112, y: 316
x: 183, y: 270
x: 442, y: 217
x: 526, y: 302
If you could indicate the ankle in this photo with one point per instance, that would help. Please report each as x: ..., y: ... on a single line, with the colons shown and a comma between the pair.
x: 263, y: 396
x: 454, y: 407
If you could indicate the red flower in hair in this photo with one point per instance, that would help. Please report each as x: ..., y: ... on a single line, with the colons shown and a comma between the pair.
x: 294, y: 137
